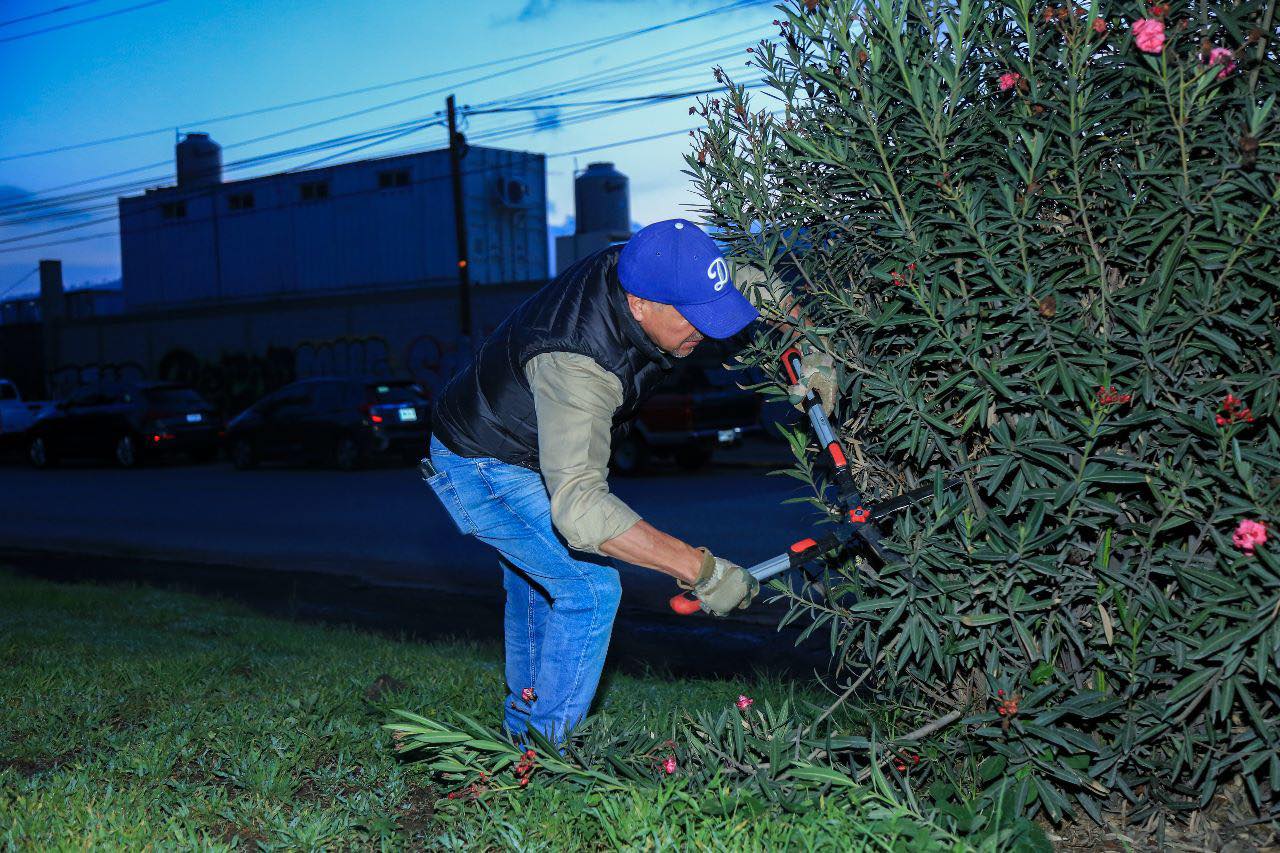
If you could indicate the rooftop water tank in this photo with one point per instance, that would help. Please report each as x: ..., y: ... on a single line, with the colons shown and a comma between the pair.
x: 601, y: 200
x: 199, y: 161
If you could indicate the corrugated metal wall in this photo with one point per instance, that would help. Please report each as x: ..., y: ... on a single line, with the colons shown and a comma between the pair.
x: 364, y: 231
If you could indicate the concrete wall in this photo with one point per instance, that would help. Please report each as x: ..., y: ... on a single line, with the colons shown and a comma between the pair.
x: 236, y: 353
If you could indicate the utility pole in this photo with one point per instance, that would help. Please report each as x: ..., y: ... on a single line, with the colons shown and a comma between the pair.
x: 53, y: 311
x: 456, y: 143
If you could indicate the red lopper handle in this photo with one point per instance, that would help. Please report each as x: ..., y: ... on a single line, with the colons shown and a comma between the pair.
x: 685, y: 605
x: 787, y: 366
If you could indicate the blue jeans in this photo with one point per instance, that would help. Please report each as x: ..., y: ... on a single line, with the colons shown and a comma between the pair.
x: 560, y: 604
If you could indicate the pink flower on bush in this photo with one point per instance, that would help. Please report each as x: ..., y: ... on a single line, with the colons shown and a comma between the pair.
x: 670, y: 765
x: 1249, y: 535
x: 1099, y: 26
x: 1148, y: 34
x: 1224, y: 57
x: 1008, y: 80
x: 744, y: 702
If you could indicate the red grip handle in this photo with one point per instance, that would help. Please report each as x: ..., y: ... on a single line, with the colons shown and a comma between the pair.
x: 786, y: 365
x: 685, y: 605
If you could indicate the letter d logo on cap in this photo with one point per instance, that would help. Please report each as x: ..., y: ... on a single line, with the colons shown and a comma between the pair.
x: 718, y: 271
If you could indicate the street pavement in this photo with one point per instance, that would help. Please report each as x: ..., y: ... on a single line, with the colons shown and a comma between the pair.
x: 383, y: 526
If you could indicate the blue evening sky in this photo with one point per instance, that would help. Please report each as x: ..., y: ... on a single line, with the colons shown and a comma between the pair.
x: 176, y: 63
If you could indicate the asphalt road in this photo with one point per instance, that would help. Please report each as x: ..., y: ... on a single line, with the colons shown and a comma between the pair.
x: 383, y: 525
x: 374, y: 548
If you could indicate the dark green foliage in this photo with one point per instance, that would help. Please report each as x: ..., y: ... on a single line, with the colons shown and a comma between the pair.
x: 1051, y: 290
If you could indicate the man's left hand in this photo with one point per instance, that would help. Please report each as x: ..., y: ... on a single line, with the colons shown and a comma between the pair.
x: 817, y: 373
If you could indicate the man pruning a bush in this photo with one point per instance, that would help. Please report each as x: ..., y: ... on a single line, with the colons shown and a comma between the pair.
x: 520, y: 448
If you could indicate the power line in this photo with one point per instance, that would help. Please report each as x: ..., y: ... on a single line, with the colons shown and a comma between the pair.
x: 65, y: 8
x: 79, y: 21
x: 14, y: 286
x: 654, y: 63
x: 599, y: 41
x: 658, y: 64
x: 382, y: 136
x: 556, y: 155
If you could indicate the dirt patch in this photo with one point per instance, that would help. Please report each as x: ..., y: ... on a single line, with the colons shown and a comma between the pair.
x: 29, y: 767
x: 1229, y: 825
x: 234, y: 834
x: 383, y: 685
x: 417, y: 810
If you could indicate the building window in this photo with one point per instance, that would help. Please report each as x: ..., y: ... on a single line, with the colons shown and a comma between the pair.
x: 393, y: 178
x: 240, y: 201
x: 314, y: 191
x: 173, y: 209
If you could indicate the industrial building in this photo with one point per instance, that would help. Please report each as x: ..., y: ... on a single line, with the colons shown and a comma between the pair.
x: 237, y: 287
x: 371, y: 225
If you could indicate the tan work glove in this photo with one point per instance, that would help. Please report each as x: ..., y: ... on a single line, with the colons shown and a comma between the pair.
x: 817, y: 371
x: 722, y: 585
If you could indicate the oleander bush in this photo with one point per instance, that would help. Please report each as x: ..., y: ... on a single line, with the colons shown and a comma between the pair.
x: 1041, y: 241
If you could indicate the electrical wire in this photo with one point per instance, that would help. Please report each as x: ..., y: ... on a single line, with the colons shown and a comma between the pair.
x: 447, y: 176
x: 658, y: 64
x: 599, y: 41
x: 44, y: 202
x: 64, y: 8
x: 382, y: 136
x: 14, y: 286
x: 79, y: 21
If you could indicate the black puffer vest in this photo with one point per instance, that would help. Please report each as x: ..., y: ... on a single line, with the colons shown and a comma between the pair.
x: 487, y: 409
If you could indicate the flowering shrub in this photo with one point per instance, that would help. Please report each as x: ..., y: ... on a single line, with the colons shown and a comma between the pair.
x: 1042, y: 241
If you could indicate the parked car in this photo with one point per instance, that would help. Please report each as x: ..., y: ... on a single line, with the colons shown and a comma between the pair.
x: 16, y: 414
x: 339, y: 420
x: 129, y: 422
x: 697, y: 409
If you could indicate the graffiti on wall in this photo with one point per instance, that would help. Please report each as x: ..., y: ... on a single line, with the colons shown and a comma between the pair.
x: 431, y: 360
x: 68, y: 377
x: 367, y: 356
x: 235, y: 380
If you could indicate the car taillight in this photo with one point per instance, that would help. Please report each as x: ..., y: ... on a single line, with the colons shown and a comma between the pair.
x: 668, y: 413
x: 367, y: 411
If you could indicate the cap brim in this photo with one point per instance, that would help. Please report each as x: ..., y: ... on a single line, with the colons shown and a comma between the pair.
x: 723, y: 317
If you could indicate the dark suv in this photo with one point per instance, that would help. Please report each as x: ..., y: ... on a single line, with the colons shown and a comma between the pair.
x: 129, y: 422
x: 698, y: 408
x: 342, y: 421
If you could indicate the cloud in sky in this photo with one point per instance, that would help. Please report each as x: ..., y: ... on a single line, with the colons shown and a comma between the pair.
x: 50, y: 216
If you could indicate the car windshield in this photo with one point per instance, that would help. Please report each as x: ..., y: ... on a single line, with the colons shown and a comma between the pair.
x: 172, y: 396
x: 393, y: 392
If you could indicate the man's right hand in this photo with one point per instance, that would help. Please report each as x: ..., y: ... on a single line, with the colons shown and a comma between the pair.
x: 723, y: 585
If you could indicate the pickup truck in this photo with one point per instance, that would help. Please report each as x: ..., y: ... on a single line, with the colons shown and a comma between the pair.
x: 16, y: 415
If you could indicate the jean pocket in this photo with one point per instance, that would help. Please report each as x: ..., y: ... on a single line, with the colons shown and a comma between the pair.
x: 448, y: 495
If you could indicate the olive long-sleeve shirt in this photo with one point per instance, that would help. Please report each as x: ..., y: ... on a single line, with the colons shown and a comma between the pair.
x: 575, y: 400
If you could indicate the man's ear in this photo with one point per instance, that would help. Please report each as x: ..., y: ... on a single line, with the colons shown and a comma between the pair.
x: 637, y: 306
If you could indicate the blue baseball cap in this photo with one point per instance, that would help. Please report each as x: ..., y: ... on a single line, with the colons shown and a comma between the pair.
x: 676, y: 263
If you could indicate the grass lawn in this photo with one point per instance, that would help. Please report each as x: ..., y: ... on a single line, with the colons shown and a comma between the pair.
x: 137, y: 717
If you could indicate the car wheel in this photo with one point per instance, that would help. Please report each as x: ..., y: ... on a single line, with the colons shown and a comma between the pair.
x: 38, y: 453
x: 347, y: 454
x: 243, y: 456
x: 630, y: 455
x: 694, y: 456
x: 127, y: 453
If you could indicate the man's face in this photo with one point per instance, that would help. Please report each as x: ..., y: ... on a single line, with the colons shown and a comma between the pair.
x: 665, y: 326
